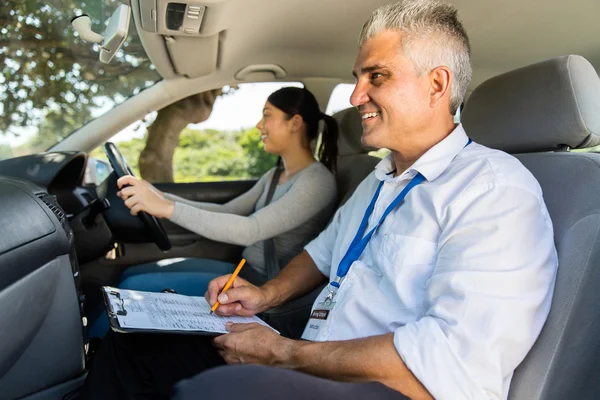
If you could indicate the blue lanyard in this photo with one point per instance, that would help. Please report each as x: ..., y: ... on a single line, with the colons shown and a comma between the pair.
x: 359, y: 243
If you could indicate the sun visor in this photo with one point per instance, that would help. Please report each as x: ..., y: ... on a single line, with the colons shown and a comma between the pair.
x: 193, y: 57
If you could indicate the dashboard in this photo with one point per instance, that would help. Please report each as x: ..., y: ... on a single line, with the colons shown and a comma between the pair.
x: 57, y: 182
x: 95, y: 214
x: 40, y: 297
x: 60, y: 174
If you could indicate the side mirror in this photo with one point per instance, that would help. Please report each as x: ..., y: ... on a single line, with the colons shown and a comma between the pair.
x: 96, y: 172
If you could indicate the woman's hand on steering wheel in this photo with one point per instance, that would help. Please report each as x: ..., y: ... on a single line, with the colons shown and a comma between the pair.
x: 140, y: 195
x: 151, y: 186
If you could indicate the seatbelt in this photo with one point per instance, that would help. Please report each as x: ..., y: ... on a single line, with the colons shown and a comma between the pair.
x: 270, y: 255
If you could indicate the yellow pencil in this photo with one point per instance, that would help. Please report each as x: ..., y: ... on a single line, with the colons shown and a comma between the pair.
x: 229, y: 282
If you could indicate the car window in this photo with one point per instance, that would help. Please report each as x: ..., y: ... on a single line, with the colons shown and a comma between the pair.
x: 457, y: 115
x: 595, y: 149
x: 381, y: 153
x: 340, y: 98
x: 51, y: 81
x: 226, y: 146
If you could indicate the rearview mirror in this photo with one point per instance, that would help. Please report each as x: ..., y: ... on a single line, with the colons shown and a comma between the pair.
x: 114, y: 36
x: 116, y: 33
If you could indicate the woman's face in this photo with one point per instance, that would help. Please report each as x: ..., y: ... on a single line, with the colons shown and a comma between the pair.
x: 276, y: 130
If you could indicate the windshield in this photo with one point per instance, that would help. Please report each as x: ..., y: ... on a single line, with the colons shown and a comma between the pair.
x: 52, y: 81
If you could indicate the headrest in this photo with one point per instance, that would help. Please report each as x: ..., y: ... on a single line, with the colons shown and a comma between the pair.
x: 540, y: 107
x: 350, y: 126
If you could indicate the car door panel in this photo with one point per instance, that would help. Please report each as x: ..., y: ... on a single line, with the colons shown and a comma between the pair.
x: 212, y: 192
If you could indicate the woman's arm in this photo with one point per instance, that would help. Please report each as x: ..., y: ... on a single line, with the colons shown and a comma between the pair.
x: 312, y: 192
x: 241, y: 205
x: 140, y: 195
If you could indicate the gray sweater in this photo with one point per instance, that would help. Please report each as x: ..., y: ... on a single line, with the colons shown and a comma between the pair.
x: 298, y: 212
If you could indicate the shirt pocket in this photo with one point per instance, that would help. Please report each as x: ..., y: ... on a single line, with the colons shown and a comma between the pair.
x: 406, y: 264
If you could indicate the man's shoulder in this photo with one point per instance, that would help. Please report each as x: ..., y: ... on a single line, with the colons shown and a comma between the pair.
x: 494, y: 168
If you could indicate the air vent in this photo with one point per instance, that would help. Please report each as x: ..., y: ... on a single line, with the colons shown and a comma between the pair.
x: 53, y: 205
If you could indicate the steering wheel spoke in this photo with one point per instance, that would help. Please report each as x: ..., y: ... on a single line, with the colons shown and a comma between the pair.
x: 121, y: 168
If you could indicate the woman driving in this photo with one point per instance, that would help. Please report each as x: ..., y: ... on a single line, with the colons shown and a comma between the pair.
x: 302, y: 200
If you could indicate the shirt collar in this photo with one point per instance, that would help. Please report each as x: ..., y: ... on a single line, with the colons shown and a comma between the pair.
x: 431, y: 164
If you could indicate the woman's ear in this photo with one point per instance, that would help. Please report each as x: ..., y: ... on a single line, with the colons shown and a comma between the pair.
x: 297, y: 123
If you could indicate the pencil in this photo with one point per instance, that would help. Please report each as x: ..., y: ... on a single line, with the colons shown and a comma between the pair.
x: 229, y: 282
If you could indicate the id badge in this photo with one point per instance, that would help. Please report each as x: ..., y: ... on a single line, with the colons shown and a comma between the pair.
x: 317, y: 320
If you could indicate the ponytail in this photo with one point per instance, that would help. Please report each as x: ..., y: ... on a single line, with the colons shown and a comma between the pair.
x: 328, y: 150
x: 292, y: 101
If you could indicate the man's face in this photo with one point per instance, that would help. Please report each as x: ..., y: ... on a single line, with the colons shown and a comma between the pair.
x: 392, y: 99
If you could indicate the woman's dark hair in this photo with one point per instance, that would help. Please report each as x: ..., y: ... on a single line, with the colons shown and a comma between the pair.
x: 299, y: 101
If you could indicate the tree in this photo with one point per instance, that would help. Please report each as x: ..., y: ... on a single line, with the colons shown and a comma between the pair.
x: 156, y: 160
x: 210, y: 155
x: 52, y: 81
x: 207, y: 155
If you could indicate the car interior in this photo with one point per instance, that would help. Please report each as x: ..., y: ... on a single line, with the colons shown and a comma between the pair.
x: 535, y: 93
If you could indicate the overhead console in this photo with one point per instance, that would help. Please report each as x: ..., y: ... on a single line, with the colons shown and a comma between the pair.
x: 189, y: 27
x: 176, y: 18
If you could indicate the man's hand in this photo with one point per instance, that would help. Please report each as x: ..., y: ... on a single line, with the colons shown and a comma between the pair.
x: 243, y: 298
x: 254, y: 344
x: 142, y: 196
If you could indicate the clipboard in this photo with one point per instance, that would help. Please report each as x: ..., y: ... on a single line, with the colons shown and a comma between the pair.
x: 118, y: 308
x: 116, y: 326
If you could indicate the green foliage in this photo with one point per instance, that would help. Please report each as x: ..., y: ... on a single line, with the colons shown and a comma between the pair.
x: 211, y: 155
x: 5, y: 152
x: 381, y: 153
x: 131, y: 151
x: 259, y: 161
x: 208, y: 155
x: 51, y: 81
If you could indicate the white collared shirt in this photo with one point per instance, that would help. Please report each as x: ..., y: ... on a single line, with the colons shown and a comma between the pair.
x: 462, y: 272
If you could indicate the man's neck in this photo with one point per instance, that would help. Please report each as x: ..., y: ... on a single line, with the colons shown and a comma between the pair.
x: 407, y: 153
x: 402, y: 163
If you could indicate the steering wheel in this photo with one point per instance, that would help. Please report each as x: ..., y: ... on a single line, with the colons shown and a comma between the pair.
x: 153, y: 225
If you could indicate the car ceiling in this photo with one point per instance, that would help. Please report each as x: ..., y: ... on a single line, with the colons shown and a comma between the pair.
x: 318, y: 38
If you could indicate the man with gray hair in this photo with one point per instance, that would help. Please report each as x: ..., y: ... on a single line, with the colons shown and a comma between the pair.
x: 441, y: 265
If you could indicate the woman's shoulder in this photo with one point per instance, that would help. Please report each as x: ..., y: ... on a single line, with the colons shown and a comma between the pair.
x: 267, y: 175
x: 317, y: 169
x: 318, y: 174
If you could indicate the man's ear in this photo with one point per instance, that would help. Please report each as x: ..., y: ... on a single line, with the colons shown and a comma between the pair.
x: 440, y: 79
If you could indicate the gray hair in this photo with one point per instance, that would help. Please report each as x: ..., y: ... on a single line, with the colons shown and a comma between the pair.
x: 438, y: 24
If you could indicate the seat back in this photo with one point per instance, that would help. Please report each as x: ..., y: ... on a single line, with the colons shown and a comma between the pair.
x: 354, y: 162
x: 539, y: 112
